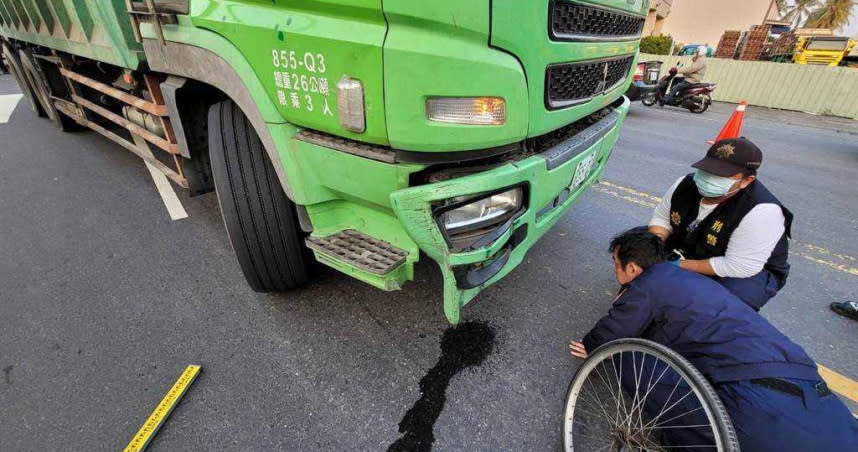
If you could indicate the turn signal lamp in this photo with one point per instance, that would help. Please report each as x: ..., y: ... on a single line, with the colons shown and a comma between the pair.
x: 350, y: 104
x: 485, y: 111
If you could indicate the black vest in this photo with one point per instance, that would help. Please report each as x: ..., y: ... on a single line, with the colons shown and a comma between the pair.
x: 711, y: 236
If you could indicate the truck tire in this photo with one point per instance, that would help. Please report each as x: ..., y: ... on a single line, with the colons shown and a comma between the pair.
x: 39, y: 86
x: 17, y: 72
x: 260, y: 220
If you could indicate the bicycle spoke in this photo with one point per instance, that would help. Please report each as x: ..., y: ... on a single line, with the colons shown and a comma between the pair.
x: 600, y: 407
x: 600, y: 439
x: 680, y: 426
x: 593, y: 412
x: 666, y: 401
x: 648, y: 426
x: 693, y: 446
x: 620, y: 400
x: 646, y: 396
x: 605, y: 381
x: 636, y: 377
x: 599, y: 400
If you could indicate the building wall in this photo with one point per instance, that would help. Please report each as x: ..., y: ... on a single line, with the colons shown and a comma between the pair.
x: 703, y: 21
x: 658, y: 12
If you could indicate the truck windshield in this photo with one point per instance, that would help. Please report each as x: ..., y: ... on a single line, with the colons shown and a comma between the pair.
x: 827, y: 45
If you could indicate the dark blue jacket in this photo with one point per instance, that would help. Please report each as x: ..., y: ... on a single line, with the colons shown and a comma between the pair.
x: 705, y: 323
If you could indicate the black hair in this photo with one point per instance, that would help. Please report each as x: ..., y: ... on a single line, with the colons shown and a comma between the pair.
x: 640, y: 246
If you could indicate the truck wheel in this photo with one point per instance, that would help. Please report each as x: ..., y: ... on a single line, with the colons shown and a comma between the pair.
x: 261, y: 221
x: 35, y: 82
x: 17, y: 72
x: 42, y: 92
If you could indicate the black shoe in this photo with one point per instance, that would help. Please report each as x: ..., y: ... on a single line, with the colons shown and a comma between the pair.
x: 846, y: 309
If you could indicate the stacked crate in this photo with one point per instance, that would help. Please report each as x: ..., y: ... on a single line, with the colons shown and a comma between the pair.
x: 728, y: 43
x: 755, y: 41
x: 783, y: 47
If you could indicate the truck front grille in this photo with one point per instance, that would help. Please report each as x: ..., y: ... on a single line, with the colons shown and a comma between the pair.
x: 572, y: 21
x: 573, y: 83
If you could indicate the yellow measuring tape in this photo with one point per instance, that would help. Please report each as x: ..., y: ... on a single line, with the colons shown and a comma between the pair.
x: 162, y: 411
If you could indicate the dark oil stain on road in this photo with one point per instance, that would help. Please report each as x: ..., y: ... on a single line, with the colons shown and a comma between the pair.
x: 462, y: 346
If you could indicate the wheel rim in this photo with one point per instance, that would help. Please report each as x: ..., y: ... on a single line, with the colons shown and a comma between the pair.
x: 602, y: 416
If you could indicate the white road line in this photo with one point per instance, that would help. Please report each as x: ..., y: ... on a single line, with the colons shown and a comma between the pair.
x: 168, y: 194
x: 8, y: 102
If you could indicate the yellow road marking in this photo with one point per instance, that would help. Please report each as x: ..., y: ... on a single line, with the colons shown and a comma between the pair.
x: 834, y: 265
x: 624, y: 197
x: 838, y: 383
x: 631, y: 191
x: 163, y: 410
x: 807, y: 251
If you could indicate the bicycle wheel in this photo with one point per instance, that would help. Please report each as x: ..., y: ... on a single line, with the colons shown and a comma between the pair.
x: 637, y: 395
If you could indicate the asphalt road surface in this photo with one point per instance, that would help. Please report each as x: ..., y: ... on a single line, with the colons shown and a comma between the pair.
x: 104, y: 299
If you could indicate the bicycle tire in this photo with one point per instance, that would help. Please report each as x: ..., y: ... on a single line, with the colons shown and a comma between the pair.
x: 723, y: 432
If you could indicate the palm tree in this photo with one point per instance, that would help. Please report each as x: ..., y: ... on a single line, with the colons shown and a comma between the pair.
x: 834, y: 14
x: 800, y: 10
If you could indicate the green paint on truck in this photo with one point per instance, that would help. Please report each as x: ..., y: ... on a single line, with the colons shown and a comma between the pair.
x: 339, y: 93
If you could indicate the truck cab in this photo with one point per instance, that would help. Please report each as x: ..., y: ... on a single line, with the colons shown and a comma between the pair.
x: 370, y: 133
x: 822, y: 50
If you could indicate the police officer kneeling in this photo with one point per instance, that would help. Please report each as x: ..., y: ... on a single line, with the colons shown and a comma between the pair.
x: 769, y: 386
x: 726, y: 224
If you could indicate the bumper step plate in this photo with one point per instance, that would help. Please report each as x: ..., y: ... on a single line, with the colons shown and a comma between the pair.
x: 359, y: 250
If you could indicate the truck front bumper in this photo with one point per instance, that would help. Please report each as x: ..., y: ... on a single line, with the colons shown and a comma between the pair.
x: 554, y: 180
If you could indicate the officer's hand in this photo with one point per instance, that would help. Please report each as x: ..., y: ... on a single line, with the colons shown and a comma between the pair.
x: 577, y: 349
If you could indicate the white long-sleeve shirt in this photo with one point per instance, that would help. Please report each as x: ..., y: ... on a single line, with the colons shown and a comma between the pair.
x: 751, y: 243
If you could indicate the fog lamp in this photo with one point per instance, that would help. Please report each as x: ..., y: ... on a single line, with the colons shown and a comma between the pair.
x: 483, y: 212
x: 467, y: 110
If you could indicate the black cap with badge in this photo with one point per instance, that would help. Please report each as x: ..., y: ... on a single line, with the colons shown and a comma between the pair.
x: 730, y: 156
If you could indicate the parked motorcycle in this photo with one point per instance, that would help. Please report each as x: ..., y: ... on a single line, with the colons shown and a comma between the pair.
x: 644, y: 80
x: 696, y: 97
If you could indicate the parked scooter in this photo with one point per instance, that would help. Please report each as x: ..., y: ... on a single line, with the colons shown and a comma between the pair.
x: 696, y: 97
x: 644, y: 80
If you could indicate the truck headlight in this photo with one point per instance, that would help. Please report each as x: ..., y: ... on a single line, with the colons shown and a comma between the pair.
x: 488, y: 111
x: 476, y: 214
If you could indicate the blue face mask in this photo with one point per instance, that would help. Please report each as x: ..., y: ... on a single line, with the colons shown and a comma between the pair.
x: 712, y: 186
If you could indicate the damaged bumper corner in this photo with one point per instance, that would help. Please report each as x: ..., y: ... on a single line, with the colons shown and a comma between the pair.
x: 554, y: 180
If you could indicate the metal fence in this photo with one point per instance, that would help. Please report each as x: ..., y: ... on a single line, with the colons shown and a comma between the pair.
x: 812, y: 89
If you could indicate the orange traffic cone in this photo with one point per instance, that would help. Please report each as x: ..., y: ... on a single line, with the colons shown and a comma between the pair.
x: 733, y: 127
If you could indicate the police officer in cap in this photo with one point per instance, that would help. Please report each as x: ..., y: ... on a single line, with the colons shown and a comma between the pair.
x: 724, y: 223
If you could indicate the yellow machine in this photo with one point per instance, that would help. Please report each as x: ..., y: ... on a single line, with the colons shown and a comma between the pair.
x: 821, y: 50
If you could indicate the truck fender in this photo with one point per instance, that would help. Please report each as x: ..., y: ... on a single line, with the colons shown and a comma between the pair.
x: 201, y: 64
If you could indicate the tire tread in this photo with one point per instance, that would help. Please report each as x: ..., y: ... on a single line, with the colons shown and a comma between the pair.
x: 260, y: 219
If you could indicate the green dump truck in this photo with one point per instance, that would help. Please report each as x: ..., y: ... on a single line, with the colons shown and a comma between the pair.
x: 354, y: 132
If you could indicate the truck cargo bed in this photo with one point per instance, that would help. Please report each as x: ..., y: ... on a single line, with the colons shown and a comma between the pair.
x: 96, y: 29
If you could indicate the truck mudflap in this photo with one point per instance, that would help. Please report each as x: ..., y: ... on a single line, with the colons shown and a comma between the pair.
x: 553, y: 182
